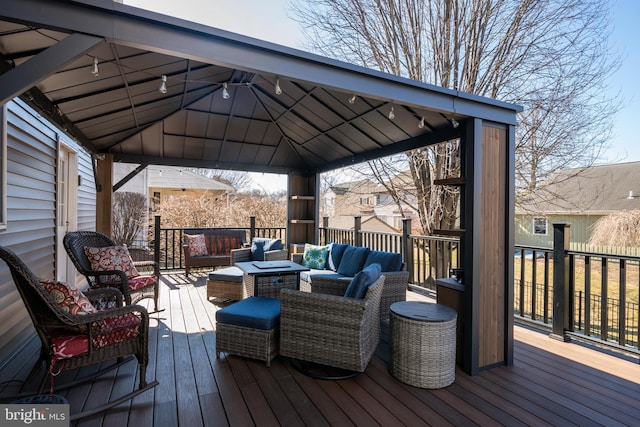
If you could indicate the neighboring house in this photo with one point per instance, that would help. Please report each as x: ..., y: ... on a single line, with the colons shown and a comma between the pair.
x: 368, y: 223
x: 579, y: 197
x: 368, y: 199
x: 47, y: 189
x: 162, y: 182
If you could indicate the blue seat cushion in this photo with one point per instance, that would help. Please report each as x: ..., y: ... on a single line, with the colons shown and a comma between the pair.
x: 229, y: 274
x: 260, y: 245
x: 308, y: 276
x: 361, y: 282
x: 389, y: 261
x: 253, y: 312
x: 336, y: 250
x: 353, y: 260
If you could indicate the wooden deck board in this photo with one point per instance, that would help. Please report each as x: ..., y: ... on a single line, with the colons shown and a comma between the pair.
x: 551, y: 383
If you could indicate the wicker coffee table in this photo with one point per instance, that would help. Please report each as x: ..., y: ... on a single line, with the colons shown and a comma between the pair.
x: 423, y: 344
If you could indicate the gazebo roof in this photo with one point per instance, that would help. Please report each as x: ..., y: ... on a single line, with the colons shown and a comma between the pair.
x: 47, y: 51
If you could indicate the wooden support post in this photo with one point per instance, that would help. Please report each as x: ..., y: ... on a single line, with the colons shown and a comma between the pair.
x: 561, y: 297
x: 104, y: 197
x: 252, y: 228
x: 357, y: 227
x: 156, y: 243
x: 406, y: 247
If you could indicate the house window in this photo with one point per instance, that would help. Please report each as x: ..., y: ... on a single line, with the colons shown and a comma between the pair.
x: 3, y: 167
x: 364, y: 200
x: 540, y: 226
x: 155, y: 201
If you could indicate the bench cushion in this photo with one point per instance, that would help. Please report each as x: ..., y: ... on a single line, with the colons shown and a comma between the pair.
x: 388, y: 261
x: 253, y: 312
x: 353, y: 260
x: 229, y: 274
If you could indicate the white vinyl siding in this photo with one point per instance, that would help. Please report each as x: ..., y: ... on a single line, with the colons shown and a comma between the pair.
x: 31, y: 211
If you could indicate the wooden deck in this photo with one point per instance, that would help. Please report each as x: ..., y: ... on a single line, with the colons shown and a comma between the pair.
x: 551, y: 383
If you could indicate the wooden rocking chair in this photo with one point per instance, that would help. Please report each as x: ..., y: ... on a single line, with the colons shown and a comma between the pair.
x: 144, y: 285
x: 78, y: 330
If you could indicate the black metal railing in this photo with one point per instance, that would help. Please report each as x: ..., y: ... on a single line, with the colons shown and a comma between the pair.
x: 591, y: 278
x: 571, y: 306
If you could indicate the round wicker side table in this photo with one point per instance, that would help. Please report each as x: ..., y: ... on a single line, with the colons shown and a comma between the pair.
x: 423, y: 344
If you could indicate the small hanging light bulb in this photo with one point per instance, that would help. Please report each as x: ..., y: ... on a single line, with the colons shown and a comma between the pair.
x: 163, y: 86
x: 454, y: 123
x: 160, y: 172
x: 94, y: 68
x: 352, y: 100
x: 180, y: 172
x: 392, y: 115
x: 278, y: 89
x: 421, y: 123
x: 225, y: 92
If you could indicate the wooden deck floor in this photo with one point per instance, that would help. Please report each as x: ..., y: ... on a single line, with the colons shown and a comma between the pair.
x: 551, y: 383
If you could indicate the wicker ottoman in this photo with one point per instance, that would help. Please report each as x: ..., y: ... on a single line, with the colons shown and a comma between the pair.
x: 226, y: 284
x: 249, y: 328
x: 423, y: 344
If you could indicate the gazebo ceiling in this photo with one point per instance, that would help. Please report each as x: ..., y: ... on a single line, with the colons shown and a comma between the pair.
x: 47, y: 51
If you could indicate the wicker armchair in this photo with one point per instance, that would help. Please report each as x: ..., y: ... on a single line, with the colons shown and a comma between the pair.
x: 329, y: 329
x: 133, y: 289
x: 395, y: 288
x: 74, y: 339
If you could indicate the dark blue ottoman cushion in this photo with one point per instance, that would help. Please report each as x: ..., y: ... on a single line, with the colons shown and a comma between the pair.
x: 253, y: 312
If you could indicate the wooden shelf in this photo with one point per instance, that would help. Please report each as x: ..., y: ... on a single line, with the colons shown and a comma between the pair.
x: 449, y: 181
x: 303, y: 221
x: 450, y: 232
x: 303, y: 198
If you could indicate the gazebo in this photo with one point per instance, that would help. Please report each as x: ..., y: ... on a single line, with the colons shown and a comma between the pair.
x: 137, y: 87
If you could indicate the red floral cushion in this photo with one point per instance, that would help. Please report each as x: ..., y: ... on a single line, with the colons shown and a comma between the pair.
x: 140, y: 282
x: 197, y: 244
x: 66, y: 344
x: 70, y: 299
x: 111, y: 258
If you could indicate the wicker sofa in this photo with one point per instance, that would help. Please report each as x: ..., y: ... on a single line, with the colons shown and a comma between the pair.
x: 330, y: 280
x: 219, y: 243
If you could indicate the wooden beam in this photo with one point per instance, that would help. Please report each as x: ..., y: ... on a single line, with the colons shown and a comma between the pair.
x: 104, y: 197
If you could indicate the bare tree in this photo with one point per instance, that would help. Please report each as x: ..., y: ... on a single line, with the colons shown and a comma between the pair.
x: 129, y: 215
x: 551, y: 56
x: 239, y: 180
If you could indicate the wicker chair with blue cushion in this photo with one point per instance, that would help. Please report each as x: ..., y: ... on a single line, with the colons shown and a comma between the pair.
x: 336, y: 331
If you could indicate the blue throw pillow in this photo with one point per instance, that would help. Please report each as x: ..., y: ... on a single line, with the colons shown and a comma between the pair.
x: 336, y: 250
x: 353, y: 260
x: 260, y: 245
x: 389, y: 261
x: 361, y: 282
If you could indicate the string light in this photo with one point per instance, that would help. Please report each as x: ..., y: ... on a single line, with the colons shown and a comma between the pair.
x: 392, y: 115
x: 421, y: 123
x: 225, y: 92
x: 352, y: 100
x: 94, y: 68
x: 163, y: 86
x: 278, y: 90
x: 454, y: 123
